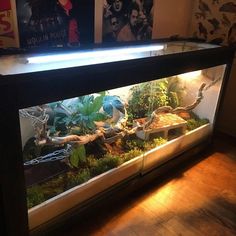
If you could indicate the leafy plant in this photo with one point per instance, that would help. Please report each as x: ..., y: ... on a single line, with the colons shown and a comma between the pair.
x: 87, y: 111
x: 78, y: 156
x: 60, y: 112
x: 147, y: 97
x: 139, y: 103
x: 174, y: 92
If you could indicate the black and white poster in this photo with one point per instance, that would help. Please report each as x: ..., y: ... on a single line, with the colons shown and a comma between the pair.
x: 127, y: 20
x: 55, y: 23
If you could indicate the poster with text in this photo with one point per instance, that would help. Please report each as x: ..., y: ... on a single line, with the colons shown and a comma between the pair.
x: 127, y: 20
x: 55, y: 23
x: 8, y: 29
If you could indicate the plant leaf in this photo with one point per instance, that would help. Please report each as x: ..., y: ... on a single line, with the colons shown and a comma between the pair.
x: 98, y: 117
x: 78, y: 155
x: 96, y: 105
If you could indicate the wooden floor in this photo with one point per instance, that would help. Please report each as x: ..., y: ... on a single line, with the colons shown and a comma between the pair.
x: 199, y: 199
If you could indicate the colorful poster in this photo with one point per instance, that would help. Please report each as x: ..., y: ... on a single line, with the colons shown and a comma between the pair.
x: 8, y: 31
x: 127, y: 20
x: 53, y: 23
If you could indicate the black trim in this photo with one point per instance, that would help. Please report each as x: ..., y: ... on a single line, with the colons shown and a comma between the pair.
x: 47, y: 86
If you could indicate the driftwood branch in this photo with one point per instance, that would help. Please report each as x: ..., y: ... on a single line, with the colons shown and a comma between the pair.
x: 121, y: 134
x: 194, y: 104
x: 84, y: 139
x: 72, y: 139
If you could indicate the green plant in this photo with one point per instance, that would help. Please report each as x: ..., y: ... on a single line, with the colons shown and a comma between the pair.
x: 174, y: 92
x: 86, y: 112
x: 78, y: 157
x: 147, y: 97
x: 34, y: 196
x: 138, y: 105
x: 158, y: 94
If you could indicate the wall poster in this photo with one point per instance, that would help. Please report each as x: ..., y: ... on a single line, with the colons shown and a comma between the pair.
x: 8, y: 25
x: 215, y: 21
x: 127, y: 20
x: 55, y: 23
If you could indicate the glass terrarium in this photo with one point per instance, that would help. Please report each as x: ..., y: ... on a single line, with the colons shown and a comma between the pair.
x: 90, y: 120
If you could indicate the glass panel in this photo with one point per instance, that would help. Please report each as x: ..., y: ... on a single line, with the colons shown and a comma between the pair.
x: 68, y: 142
x: 18, y: 64
x: 178, y: 47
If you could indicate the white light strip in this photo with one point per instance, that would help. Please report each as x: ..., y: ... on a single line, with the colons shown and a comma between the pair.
x: 92, y: 54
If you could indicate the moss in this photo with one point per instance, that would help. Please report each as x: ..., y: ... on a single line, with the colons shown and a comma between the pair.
x: 154, y: 143
x: 91, y: 161
x: 159, y: 141
x: 54, y: 186
x: 195, y: 123
x: 34, y: 196
x: 104, y: 164
x: 76, y: 178
x: 134, y: 143
x: 131, y: 154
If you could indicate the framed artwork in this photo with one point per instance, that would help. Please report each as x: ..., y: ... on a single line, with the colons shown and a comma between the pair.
x: 55, y: 23
x: 127, y: 20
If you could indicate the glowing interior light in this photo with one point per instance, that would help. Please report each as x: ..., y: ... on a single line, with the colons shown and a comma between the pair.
x: 93, y: 54
x: 190, y: 75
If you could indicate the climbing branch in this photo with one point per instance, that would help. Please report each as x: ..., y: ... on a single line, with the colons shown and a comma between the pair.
x: 71, y: 139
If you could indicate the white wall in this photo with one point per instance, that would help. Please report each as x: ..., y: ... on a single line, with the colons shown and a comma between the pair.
x: 172, y: 18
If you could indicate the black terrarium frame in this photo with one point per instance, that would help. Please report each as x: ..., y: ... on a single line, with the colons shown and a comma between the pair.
x: 30, y: 89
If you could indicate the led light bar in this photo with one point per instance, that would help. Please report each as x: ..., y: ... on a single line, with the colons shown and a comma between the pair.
x: 92, y: 54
